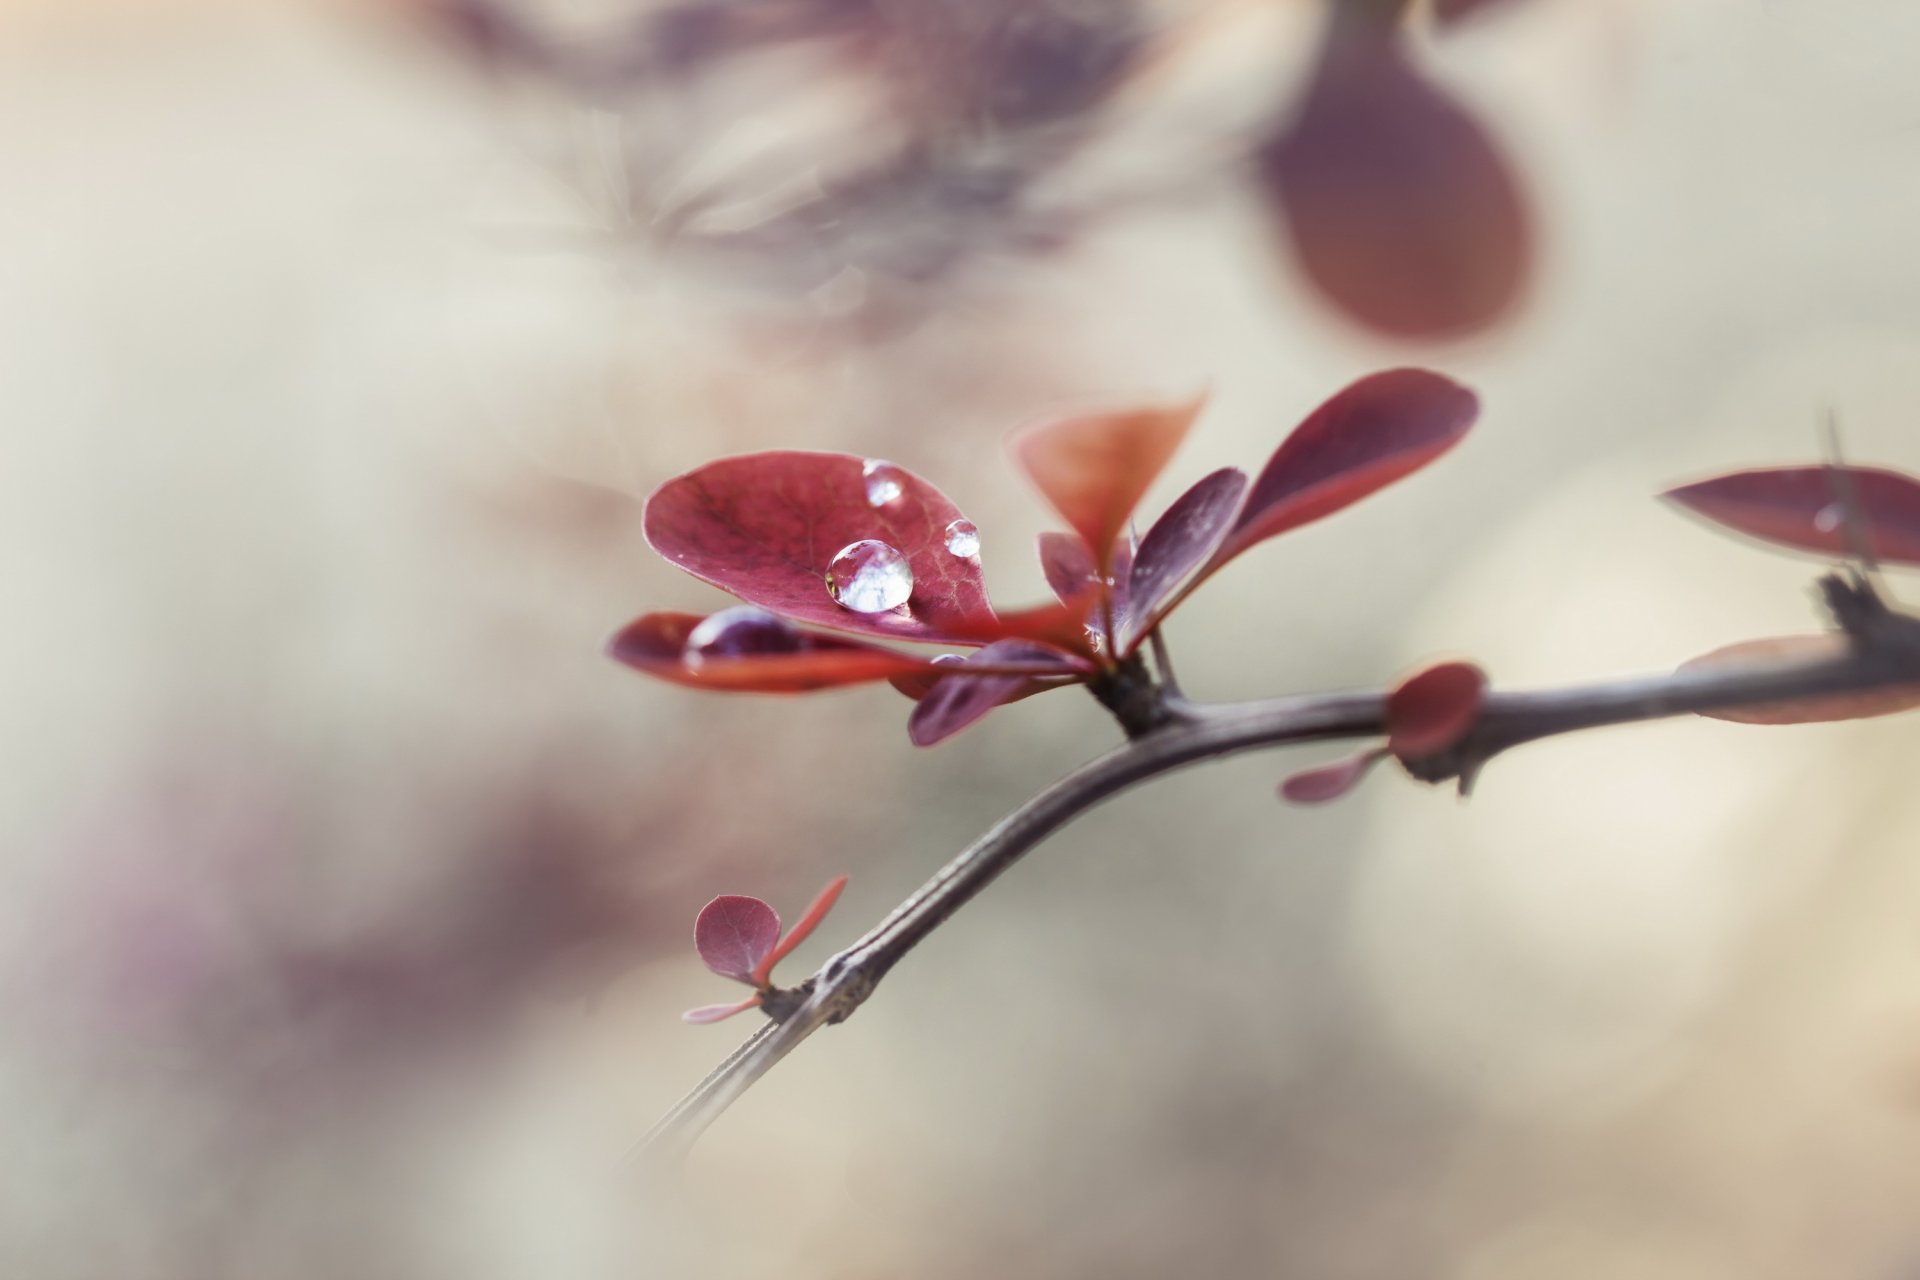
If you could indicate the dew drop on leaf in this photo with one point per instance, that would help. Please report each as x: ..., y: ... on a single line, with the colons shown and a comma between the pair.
x: 1827, y: 519
x: 885, y: 482
x: 736, y: 632
x: 963, y: 539
x: 869, y: 576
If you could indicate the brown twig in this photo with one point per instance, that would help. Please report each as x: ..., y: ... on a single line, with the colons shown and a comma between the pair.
x: 1885, y: 652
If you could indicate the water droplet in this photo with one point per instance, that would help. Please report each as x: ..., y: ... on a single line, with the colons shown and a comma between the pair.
x: 948, y: 659
x: 963, y: 539
x: 736, y: 632
x: 1097, y: 639
x: 885, y: 482
x: 869, y: 577
x: 1827, y: 519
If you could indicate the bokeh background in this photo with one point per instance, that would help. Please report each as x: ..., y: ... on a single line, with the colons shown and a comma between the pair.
x: 348, y: 888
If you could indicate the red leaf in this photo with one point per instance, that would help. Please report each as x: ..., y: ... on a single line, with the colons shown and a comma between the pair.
x: 1801, y: 507
x: 1094, y: 469
x: 1329, y: 781
x: 1430, y: 711
x: 1179, y: 542
x: 787, y: 660
x: 1400, y: 207
x: 959, y: 698
x: 766, y: 526
x: 715, y: 1012
x: 734, y: 934
x: 1073, y: 576
x: 1368, y: 435
x: 1832, y: 706
x: 809, y: 919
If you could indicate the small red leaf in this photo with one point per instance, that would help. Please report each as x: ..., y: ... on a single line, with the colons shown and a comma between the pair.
x: 766, y: 526
x: 960, y: 698
x: 1329, y: 781
x: 1832, y: 706
x: 734, y: 934
x: 1094, y: 469
x: 809, y: 919
x: 715, y: 1012
x: 1179, y: 542
x: 776, y: 659
x: 1802, y: 508
x: 1400, y: 207
x: 1430, y: 711
x: 1088, y: 595
x: 1364, y: 438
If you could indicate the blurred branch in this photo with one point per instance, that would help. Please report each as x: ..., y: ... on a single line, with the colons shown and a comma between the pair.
x: 1883, y: 653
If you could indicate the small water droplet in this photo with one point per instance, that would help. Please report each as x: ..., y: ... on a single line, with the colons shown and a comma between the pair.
x: 869, y: 577
x: 885, y: 482
x: 736, y: 632
x: 1097, y: 639
x: 1827, y: 519
x: 948, y: 659
x: 963, y: 539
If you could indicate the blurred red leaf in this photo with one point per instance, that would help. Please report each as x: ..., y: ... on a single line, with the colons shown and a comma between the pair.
x: 1430, y: 711
x: 1077, y: 581
x: 715, y: 1012
x: 1329, y: 781
x: 1095, y: 468
x: 1801, y: 507
x: 1365, y: 437
x: 766, y: 526
x: 816, y: 912
x: 959, y: 698
x: 657, y: 644
x: 734, y: 933
x: 1179, y: 542
x: 1833, y: 706
x: 1402, y: 210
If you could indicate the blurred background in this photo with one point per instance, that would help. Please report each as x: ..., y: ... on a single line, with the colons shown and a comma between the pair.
x: 348, y: 888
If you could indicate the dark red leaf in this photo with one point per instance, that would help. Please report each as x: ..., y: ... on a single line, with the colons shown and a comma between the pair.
x: 734, y: 934
x: 1781, y: 649
x: 1180, y: 541
x: 1329, y: 781
x: 1082, y: 588
x: 1801, y: 507
x: 658, y: 645
x: 1094, y: 469
x: 1400, y: 207
x: 766, y: 526
x: 1367, y: 436
x: 1430, y: 711
x: 960, y: 698
x: 809, y: 919
x: 715, y: 1012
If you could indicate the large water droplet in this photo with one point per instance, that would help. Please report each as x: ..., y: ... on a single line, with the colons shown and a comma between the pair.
x: 736, y: 632
x: 885, y: 482
x: 869, y: 577
x: 1827, y: 518
x: 963, y: 539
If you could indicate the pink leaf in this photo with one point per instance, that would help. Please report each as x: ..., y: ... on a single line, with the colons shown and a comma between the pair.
x: 958, y: 700
x: 715, y: 1012
x: 1801, y: 507
x: 1400, y: 207
x: 1329, y: 781
x: 1367, y: 436
x: 1776, y: 650
x: 1094, y: 469
x: 1180, y: 541
x: 767, y: 526
x: 1432, y: 710
x: 734, y: 934
x: 751, y: 654
x: 816, y: 912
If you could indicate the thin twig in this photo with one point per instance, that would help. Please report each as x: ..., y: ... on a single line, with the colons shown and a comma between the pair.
x: 1886, y: 656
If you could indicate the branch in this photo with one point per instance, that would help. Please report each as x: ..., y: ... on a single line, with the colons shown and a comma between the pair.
x: 1885, y: 652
